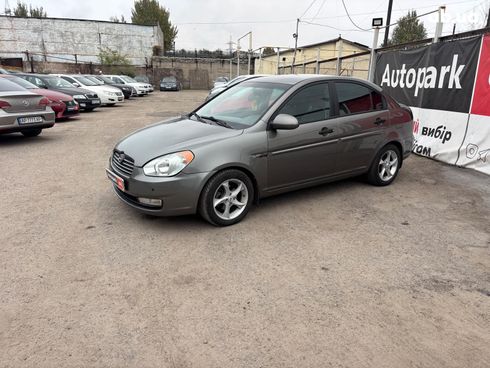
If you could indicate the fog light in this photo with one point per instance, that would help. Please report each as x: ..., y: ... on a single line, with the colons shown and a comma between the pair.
x: 150, y: 202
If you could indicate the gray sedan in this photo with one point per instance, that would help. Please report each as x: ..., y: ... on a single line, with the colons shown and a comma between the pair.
x: 23, y: 111
x: 260, y: 138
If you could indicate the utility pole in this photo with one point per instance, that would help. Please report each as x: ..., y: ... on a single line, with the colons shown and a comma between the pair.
x: 295, y: 36
x: 488, y: 18
x: 388, y: 20
x: 438, y: 32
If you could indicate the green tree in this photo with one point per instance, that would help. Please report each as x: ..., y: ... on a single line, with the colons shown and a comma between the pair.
x: 408, y: 29
x: 268, y: 51
x: 116, y: 63
x: 115, y: 19
x: 148, y: 12
x: 37, y: 12
x: 22, y: 10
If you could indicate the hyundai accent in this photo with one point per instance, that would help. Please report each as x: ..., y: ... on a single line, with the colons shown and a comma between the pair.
x: 260, y: 138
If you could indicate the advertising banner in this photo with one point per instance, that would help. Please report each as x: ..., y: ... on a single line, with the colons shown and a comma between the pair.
x: 475, y: 151
x: 443, y: 84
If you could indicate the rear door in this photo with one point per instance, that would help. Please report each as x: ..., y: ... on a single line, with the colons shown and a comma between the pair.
x: 362, y: 115
x: 307, y: 153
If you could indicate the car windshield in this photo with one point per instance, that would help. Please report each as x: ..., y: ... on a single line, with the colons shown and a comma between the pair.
x: 85, y: 81
x: 94, y: 79
x: 243, y: 105
x: 57, y: 82
x: 23, y: 83
x: 142, y: 78
x: 105, y: 79
x: 127, y: 79
x: 169, y: 79
x: 221, y: 79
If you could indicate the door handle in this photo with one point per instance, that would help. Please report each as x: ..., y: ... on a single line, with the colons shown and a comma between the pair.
x: 379, y: 121
x: 325, y: 131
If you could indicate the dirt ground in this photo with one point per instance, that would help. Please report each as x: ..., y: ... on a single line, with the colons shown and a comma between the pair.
x: 342, y: 275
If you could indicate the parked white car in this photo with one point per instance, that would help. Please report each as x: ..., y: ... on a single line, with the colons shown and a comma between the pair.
x: 108, y: 95
x: 141, y: 88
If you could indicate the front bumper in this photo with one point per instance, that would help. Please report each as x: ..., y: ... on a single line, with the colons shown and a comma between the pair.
x: 88, y: 103
x: 179, y: 194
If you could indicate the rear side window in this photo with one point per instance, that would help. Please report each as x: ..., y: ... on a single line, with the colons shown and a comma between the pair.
x: 310, y: 104
x: 6, y: 85
x: 354, y: 98
x: 36, y: 81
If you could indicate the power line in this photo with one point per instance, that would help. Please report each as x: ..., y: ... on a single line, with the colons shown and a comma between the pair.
x: 335, y: 28
x: 319, y: 10
x: 308, y: 8
x: 347, y: 12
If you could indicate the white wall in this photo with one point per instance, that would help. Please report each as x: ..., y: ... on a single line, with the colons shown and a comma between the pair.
x: 65, y: 37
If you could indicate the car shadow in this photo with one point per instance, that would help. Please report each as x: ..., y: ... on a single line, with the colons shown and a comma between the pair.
x: 278, y: 202
x: 12, y: 139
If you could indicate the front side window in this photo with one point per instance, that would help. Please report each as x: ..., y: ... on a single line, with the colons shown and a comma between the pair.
x: 57, y: 82
x: 243, y: 105
x: 310, y: 104
x: 354, y: 98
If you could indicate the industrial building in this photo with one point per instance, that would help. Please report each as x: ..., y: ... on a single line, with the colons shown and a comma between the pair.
x: 76, y: 40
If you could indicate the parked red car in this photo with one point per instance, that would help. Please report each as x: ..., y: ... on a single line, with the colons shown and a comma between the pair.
x: 64, y: 106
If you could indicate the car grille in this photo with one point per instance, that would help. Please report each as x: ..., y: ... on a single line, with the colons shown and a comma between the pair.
x: 92, y: 95
x: 122, y: 163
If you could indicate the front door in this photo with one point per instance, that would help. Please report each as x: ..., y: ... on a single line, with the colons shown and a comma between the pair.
x: 305, y: 154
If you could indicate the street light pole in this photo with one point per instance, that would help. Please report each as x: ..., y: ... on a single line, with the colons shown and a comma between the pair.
x: 295, y: 35
x: 388, y: 20
x: 238, y: 51
x: 373, y: 54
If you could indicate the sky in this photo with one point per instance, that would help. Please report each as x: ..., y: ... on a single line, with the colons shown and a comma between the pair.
x: 210, y: 23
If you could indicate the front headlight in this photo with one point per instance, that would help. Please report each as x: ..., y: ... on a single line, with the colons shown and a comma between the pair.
x: 80, y: 97
x: 168, y: 165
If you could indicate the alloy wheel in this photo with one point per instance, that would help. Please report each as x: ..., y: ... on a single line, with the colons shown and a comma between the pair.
x: 388, y: 165
x: 230, y: 199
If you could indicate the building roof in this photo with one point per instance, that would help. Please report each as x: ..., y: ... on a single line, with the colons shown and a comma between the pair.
x: 318, y: 44
x: 79, y: 20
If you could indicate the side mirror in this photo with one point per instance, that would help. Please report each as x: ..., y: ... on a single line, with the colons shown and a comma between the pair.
x: 76, y: 84
x: 284, y: 122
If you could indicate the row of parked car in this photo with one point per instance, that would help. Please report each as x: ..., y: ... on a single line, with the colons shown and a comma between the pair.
x: 30, y: 103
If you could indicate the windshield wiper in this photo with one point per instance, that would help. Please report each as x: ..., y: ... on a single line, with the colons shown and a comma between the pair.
x: 218, y: 121
x: 198, y: 117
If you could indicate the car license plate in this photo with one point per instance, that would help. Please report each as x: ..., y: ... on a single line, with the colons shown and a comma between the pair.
x: 70, y: 108
x: 116, y: 180
x: 97, y: 101
x: 30, y: 120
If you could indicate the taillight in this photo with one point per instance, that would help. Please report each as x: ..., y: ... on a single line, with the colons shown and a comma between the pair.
x: 44, y: 101
x: 4, y: 104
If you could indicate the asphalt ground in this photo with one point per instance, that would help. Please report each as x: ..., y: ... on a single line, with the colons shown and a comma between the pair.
x: 340, y: 275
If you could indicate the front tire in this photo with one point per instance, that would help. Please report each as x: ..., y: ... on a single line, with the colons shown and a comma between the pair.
x: 385, y: 166
x: 226, y: 198
x: 31, y: 132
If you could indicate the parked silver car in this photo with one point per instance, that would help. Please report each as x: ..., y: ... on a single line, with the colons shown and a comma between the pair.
x: 23, y: 111
x: 260, y: 138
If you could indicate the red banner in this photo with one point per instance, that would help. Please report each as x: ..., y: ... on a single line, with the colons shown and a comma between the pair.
x: 481, y: 97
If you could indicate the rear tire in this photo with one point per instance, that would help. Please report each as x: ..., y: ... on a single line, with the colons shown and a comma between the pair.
x: 226, y: 198
x: 385, y: 166
x: 31, y: 132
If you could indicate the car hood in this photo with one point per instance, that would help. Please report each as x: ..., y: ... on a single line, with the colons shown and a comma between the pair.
x: 52, y: 95
x: 171, y: 136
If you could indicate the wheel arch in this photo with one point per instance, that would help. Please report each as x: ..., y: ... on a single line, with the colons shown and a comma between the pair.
x: 241, y: 168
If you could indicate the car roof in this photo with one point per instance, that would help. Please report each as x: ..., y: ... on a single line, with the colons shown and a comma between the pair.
x: 299, y: 78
